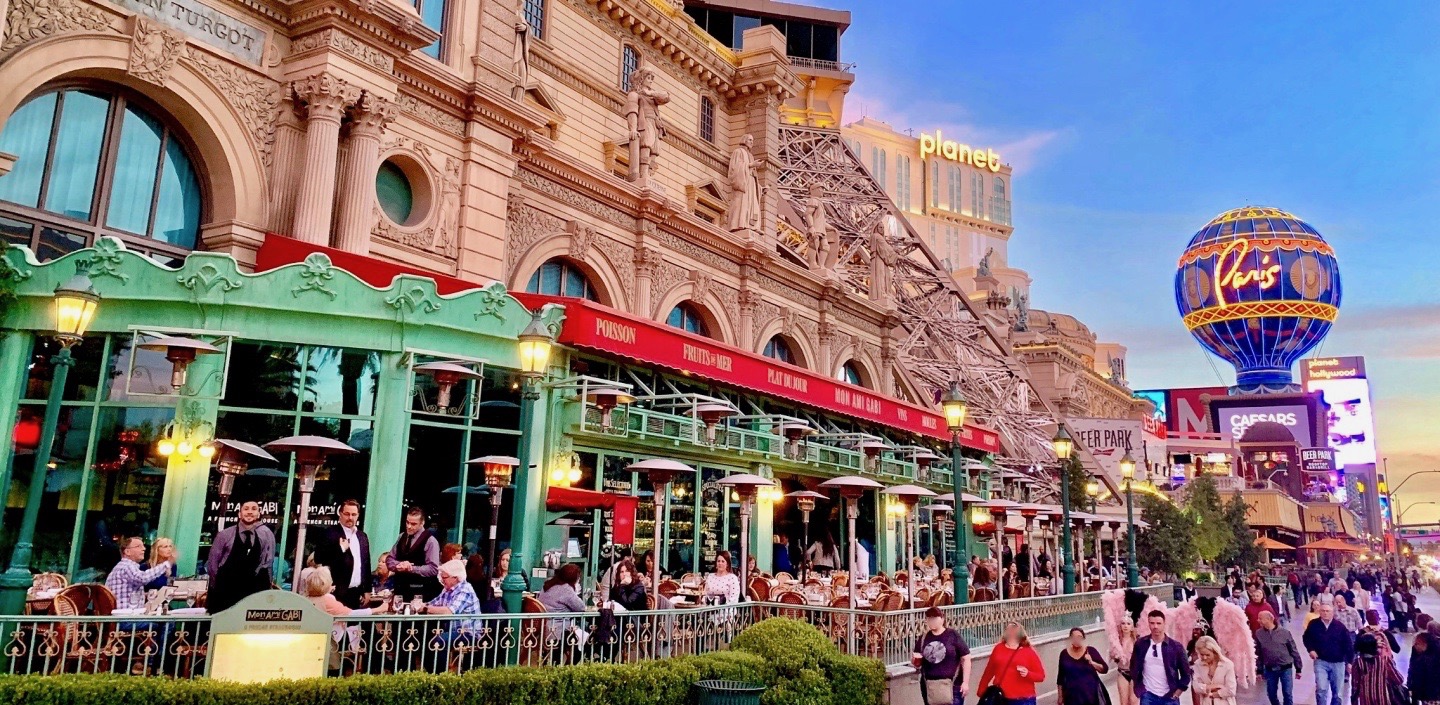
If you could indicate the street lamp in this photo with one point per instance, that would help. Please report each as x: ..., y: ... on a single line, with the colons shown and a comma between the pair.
x: 232, y: 461
x: 499, y: 470
x: 1092, y: 490
x: 75, y: 303
x: 805, y: 500
x: 956, y: 408
x: 1064, y: 445
x: 310, y: 453
x: 1132, y: 569
x: 533, y: 348
x: 851, y: 489
x: 909, y: 495
x: 745, y: 484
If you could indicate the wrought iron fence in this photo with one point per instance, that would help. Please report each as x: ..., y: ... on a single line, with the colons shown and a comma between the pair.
x: 177, y: 646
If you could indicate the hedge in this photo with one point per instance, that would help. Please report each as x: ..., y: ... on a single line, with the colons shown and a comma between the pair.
x: 826, y: 678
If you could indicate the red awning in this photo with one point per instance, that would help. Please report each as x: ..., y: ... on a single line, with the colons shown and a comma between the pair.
x: 569, y: 499
x: 596, y: 327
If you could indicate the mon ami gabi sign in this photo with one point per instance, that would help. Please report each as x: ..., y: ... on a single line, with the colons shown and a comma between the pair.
x: 596, y: 327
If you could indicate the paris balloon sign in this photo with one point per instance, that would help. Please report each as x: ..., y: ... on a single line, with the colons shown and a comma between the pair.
x: 1259, y: 288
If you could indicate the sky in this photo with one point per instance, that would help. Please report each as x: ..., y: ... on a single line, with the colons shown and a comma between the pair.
x: 1130, y: 125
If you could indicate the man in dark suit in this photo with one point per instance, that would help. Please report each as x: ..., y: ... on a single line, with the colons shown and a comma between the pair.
x: 345, y: 550
x: 1159, y: 667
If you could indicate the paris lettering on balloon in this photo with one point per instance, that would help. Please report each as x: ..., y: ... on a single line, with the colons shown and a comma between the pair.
x: 1228, y: 267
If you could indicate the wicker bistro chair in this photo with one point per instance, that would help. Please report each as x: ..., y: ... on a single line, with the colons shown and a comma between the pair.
x: 533, y: 632
x: 760, y: 589
x: 792, y: 597
x: 922, y: 596
x: 668, y: 588
x: 783, y: 577
x: 940, y: 599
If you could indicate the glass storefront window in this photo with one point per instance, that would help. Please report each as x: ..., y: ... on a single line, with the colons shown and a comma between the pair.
x: 680, y: 531
x: 122, y: 494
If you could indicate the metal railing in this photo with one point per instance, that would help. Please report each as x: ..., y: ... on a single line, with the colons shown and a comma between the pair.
x: 801, y: 62
x: 176, y: 647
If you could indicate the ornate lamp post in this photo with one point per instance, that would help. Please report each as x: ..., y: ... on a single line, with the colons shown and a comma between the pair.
x: 75, y: 303
x: 805, y: 499
x: 533, y: 348
x: 310, y: 453
x: 1092, y: 490
x: 745, y: 485
x: 499, y: 470
x: 1064, y: 445
x: 1132, y: 569
x: 232, y: 462
x: 851, y: 489
x: 956, y: 408
x: 909, y: 495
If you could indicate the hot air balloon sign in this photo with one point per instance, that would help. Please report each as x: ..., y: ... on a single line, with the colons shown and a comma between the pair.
x: 1259, y: 288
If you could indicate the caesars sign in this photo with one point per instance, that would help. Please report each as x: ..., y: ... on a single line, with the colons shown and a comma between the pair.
x: 1235, y: 421
x: 956, y: 152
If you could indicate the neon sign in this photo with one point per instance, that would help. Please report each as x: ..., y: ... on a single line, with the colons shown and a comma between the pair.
x: 956, y: 152
x: 1232, y: 277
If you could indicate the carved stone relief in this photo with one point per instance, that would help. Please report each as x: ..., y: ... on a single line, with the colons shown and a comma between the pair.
x: 700, y: 284
x: 581, y: 237
x: 345, y: 44
x: 576, y: 199
x: 32, y: 20
x: 154, y: 50
x: 524, y: 227
x: 255, y: 98
x: 430, y: 114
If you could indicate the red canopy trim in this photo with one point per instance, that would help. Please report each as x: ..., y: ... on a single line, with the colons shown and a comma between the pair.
x: 570, y: 499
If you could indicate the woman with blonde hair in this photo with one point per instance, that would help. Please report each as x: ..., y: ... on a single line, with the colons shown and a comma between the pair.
x: 162, y: 551
x: 1120, y: 654
x: 1014, y: 667
x: 320, y: 588
x: 1214, y: 680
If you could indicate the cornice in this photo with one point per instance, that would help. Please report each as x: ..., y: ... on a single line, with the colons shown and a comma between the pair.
x: 671, y: 33
x: 394, y: 24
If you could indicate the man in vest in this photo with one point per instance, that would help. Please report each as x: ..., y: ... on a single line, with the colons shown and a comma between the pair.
x: 414, y: 562
x: 240, y: 559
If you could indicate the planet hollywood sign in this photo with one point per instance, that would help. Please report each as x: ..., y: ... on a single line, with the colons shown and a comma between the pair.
x: 956, y: 152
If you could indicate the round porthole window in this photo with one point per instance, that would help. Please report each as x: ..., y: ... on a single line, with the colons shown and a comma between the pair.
x: 394, y: 192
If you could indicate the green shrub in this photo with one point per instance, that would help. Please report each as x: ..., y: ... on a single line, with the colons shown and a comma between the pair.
x: 788, y: 645
x: 809, y: 688
x: 855, y: 680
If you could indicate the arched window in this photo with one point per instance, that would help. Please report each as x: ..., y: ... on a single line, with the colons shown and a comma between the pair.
x: 686, y: 317
x: 779, y: 349
x: 629, y: 62
x: 850, y: 372
x: 999, y: 188
x: 93, y: 163
x: 558, y: 277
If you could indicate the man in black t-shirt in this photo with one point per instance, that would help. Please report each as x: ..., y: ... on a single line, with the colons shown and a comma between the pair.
x: 941, y: 654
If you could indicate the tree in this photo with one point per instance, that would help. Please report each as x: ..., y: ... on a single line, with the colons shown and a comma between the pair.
x: 1079, y: 501
x: 1242, y: 550
x: 1167, y: 544
x: 1212, y: 535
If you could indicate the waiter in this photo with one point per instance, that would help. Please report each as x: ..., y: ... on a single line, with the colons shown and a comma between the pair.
x: 345, y: 550
x: 240, y: 559
x: 414, y: 562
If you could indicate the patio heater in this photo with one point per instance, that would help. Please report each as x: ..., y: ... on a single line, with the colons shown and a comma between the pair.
x: 851, y: 489
x: 606, y: 400
x: 232, y: 461
x: 937, y: 525
x: 872, y: 450
x: 711, y: 414
x: 499, y: 469
x: 180, y: 351
x: 661, y: 473
x: 805, y: 499
x: 446, y: 375
x: 746, y: 485
x: 909, y: 495
x: 794, y: 433
x: 75, y: 303
x: 311, y: 453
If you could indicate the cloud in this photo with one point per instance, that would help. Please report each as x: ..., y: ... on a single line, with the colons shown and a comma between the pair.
x: 1022, y: 149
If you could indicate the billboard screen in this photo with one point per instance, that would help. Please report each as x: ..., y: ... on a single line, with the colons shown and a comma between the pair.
x: 1234, y: 421
x: 1159, y: 399
x: 1183, y: 409
x: 1349, y: 419
x: 1322, y: 368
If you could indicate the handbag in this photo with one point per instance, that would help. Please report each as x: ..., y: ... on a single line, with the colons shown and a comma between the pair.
x: 993, y: 695
x: 939, y: 691
x: 1399, y: 694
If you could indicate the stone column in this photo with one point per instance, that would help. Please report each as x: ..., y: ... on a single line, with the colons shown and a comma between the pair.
x: 357, y: 177
x: 325, y: 98
x: 285, y: 165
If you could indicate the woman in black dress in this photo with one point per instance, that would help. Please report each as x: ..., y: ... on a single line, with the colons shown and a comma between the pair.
x: 1078, y: 677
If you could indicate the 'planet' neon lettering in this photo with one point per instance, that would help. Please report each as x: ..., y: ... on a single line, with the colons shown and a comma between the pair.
x: 1232, y: 277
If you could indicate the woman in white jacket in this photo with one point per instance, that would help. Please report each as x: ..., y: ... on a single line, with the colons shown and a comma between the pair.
x: 1214, y: 679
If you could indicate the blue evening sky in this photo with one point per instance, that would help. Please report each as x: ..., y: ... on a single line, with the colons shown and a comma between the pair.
x: 1131, y: 124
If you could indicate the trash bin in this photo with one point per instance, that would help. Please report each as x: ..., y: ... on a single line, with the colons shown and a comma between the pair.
x: 729, y: 693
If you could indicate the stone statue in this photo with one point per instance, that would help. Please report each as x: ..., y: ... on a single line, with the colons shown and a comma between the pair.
x: 818, y: 230
x: 642, y: 116
x: 1022, y: 311
x: 984, y: 270
x: 1117, y: 369
x: 744, y: 187
x: 520, y: 59
x: 883, y: 258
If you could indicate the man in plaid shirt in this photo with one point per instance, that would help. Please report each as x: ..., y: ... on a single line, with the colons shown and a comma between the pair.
x: 126, y: 579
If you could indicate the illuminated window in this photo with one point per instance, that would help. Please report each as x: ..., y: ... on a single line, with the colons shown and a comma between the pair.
x: 93, y: 163
x: 850, y: 372
x: 535, y: 17
x: 629, y: 61
x: 934, y: 184
x: 954, y: 194
x: 432, y: 15
x: 707, y: 119
x: 687, y: 318
x: 558, y: 277
x: 877, y: 167
x: 778, y: 349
